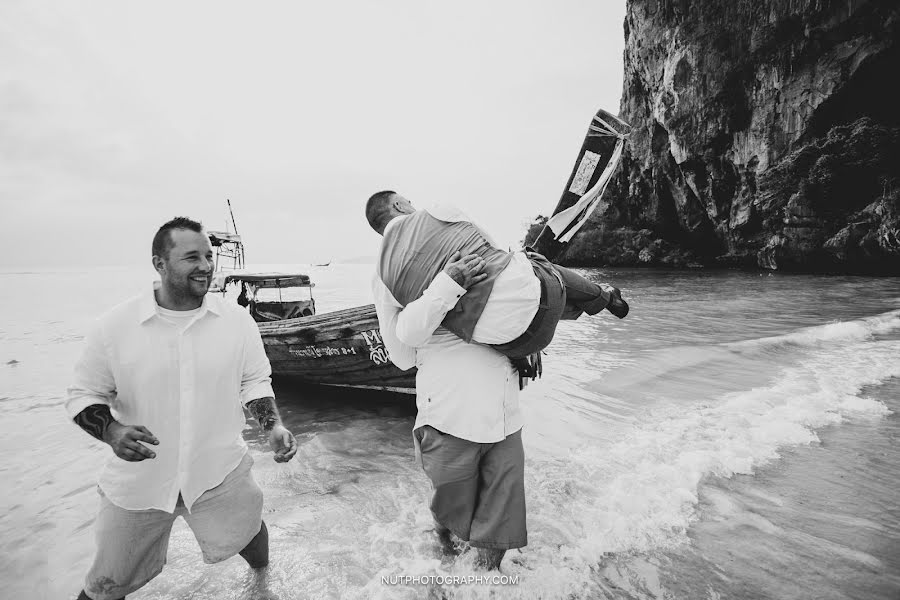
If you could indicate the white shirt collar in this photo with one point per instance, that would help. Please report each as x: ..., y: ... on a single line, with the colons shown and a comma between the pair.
x: 148, y: 304
x: 393, y: 222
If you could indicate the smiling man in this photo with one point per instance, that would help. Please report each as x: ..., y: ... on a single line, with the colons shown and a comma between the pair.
x: 162, y: 380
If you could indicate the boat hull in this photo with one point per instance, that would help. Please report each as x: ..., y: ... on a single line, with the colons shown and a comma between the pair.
x: 341, y: 348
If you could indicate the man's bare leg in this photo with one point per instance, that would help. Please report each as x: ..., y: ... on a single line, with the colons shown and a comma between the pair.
x: 489, y: 559
x: 256, y: 553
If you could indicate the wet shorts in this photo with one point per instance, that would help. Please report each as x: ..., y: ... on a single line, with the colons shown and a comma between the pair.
x: 132, y: 544
x: 479, y: 489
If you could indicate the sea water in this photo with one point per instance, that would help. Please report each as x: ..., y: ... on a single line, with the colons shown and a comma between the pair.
x: 736, y: 436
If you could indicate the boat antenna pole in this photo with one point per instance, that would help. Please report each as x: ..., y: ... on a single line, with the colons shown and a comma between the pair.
x: 240, y: 257
x: 232, y: 215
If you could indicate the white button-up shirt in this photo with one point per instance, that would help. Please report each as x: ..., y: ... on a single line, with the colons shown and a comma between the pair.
x: 470, y: 391
x: 186, y: 384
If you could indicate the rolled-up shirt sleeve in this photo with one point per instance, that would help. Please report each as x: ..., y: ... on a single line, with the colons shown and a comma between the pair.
x: 256, y: 377
x: 388, y: 310
x: 418, y: 320
x: 93, y: 381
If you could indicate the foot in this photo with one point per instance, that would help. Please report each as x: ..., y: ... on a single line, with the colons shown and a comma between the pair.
x: 447, y: 545
x: 445, y: 540
x: 489, y: 559
x: 617, y: 305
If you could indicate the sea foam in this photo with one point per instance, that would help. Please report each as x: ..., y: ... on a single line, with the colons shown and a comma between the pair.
x: 640, y: 493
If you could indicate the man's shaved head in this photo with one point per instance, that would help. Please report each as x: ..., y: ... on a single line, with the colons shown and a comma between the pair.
x: 378, y: 209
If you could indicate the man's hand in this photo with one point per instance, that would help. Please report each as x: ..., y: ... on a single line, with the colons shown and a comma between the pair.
x: 125, y: 440
x: 466, y: 270
x: 531, y: 367
x: 280, y: 439
x: 283, y: 443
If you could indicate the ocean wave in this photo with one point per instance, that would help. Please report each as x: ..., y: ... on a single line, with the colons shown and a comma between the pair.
x: 838, y: 331
x: 662, y: 363
x: 640, y: 493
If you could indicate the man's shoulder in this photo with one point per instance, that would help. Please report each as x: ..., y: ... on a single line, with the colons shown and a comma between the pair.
x: 446, y: 212
x: 123, y: 311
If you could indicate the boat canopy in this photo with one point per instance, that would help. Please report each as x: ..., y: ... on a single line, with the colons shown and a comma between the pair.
x: 217, y: 238
x: 272, y: 280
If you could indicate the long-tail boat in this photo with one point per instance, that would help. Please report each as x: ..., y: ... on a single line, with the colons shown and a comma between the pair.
x: 345, y: 348
x: 340, y: 348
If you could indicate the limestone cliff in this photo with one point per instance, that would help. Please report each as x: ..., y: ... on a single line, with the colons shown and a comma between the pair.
x: 766, y: 134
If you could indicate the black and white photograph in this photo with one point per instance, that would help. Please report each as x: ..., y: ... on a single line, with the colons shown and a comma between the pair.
x: 475, y: 300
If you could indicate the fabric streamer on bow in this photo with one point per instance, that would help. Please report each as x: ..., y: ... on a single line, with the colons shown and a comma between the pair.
x: 597, y: 161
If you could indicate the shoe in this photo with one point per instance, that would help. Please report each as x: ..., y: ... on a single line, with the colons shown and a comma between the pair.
x: 610, y: 300
x: 617, y: 305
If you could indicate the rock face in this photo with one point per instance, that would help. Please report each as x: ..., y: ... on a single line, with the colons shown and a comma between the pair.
x: 766, y: 134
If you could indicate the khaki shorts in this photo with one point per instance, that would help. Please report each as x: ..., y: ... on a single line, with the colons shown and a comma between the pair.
x: 479, y: 489
x: 132, y: 544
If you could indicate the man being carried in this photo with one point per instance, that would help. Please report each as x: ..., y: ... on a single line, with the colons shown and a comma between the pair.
x: 162, y: 380
x: 516, y: 300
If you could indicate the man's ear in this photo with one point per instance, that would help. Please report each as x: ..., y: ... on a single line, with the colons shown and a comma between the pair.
x: 402, y: 206
x: 159, y: 264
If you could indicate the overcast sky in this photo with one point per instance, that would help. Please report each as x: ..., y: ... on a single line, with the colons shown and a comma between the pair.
x: 116, y: 116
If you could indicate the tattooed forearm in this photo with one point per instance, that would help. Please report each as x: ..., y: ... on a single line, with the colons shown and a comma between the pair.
x: 95, y: 419
x: 265, y: 411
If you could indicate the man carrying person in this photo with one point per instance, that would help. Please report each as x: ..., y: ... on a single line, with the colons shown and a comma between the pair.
x: 162, y: 380
x: 467, y: 433
x: 468, y: 426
